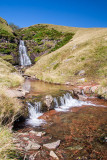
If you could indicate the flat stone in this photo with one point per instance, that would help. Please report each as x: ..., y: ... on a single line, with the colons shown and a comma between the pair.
x: 52, y: 145
x: 25, y: 138
x: 81, y: 97
x: 14, y: 93
x: 39, y: 134
x: 32, y: 146
x: 52, y: 154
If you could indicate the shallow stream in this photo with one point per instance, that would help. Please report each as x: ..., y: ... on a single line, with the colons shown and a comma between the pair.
x: 80, y: 125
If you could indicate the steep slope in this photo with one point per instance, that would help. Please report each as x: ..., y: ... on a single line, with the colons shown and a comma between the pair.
x: 42, y: 39
x: 8, y: 43
x: 86, y: 51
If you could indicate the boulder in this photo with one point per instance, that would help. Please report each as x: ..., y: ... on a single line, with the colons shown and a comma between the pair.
x: 52, y: 145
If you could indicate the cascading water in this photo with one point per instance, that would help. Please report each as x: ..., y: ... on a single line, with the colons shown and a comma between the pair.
x: 24, y: 58
x: 62, y: 104
x: 34, y: 114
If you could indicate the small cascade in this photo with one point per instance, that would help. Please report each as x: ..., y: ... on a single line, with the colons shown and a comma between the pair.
x: 62, y: 103
x: 34, y: 114
x: 24, y: 58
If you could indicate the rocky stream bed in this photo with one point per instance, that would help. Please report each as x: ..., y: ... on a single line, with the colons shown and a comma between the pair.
x: 78, y: 132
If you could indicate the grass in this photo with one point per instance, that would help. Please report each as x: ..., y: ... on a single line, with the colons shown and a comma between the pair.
x: 42, y: 40
x: 7, y: 149
x: 87, y: 51
x: 9, y: 109
x: 8, y: 75
x: 6, y: 31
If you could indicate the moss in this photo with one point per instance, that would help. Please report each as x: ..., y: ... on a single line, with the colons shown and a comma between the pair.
x: 37, y: 58
x: 56, y: 65
x: 8, y: 58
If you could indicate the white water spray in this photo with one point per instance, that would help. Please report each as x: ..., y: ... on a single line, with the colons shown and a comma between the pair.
x: 61, y: 104
x: 34, y: 114
x: 24, y: 58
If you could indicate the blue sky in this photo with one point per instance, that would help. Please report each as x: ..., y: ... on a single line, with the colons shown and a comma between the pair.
x: 75, y: 13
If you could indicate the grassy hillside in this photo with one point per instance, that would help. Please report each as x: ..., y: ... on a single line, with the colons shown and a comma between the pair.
x: 8, y: 43
x: 5, y: 30
x: 86, y: 51
x: 41, y: 39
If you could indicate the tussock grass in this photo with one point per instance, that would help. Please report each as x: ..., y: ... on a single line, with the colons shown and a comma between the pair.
x: 8, y: 76
x: 5, y: 143
x: 9, y: 107
x: 7, y: 149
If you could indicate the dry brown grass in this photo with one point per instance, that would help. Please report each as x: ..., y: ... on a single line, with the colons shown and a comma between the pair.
x: 8, y: 75
x: 5, y: 142
x: 9, y: 107
x: 81, y: 53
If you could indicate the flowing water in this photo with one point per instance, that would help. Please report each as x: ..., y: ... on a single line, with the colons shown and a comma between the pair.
x: 80, y: 125
x: 24, y: 58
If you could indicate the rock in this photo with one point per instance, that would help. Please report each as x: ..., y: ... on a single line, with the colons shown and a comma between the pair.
x: 94, y: 88
x: 82, y: 80
x: 14, y: 93
x: 25, y: 138
x: 81, y: 73
x: 52, y: 154
x: 48, y: 101
x: 87, y: 89
x: 39, y: 134
x: 67, y: 83
x: 53, y: 145
x: 32, y: 146
x: 81, y: 97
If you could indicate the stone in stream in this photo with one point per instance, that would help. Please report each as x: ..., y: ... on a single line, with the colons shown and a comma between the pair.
x: 52, y: 154
x: 39, y: 134
x: 52, y: 145
x: 32, y: 146
x: 48, y: 100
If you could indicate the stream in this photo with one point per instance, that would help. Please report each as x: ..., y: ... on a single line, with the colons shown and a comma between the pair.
x: 79, y: 125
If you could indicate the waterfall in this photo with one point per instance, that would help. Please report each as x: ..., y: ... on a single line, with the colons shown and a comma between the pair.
x: 34, y: 114
x: 24, y: 58
x: 62, y: 103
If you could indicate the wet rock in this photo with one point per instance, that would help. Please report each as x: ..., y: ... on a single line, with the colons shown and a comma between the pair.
x: 32, y: 146
x: 39, y: 134
x: 52, y: 145
x: 52, y: 154
x: 48, y: 100
x: 81, y: 97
